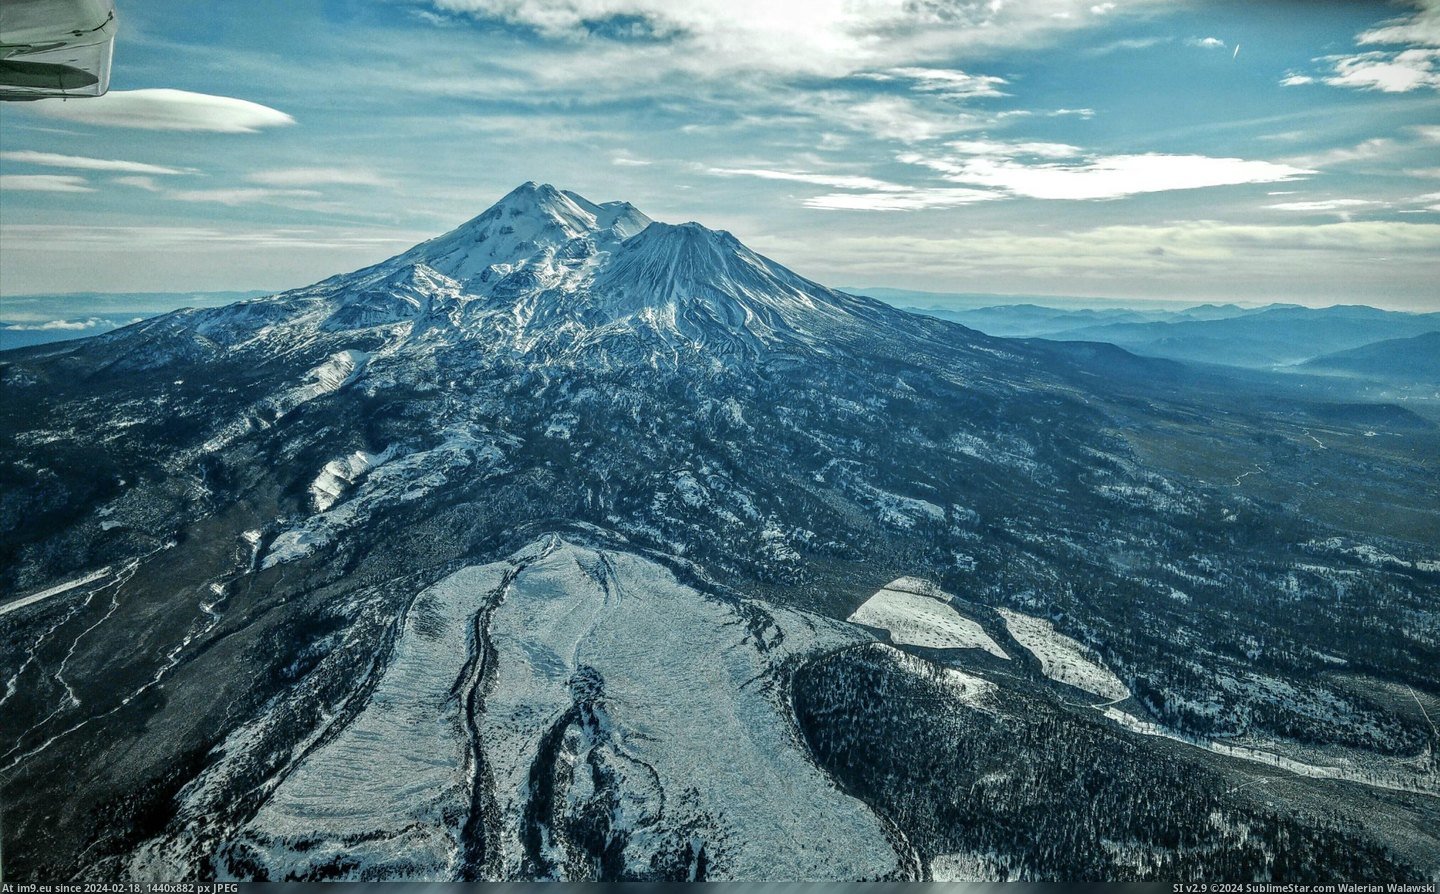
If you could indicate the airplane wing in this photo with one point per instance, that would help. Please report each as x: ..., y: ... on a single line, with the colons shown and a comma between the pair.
x: 55, y: 48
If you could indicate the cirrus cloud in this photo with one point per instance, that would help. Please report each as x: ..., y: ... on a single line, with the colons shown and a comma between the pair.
x: 834, y: 181
x: 83, y: 163
x: 1339, y: 206
x: 825, y: 37
x: 44, y: 183
x: 949, y: 83
x: 317, y: 176
x: 903, y: 199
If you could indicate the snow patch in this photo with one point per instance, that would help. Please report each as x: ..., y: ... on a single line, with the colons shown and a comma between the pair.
x: 339, y: 370
x: 968, y: 868
x: 339, y: 474
x: 56, y: 590
x: 387, y: 483
x: 919, y: 614
x: 391, y: 790
x: 1061, y: 658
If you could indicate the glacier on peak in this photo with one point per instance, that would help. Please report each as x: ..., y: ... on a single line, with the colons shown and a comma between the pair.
x: 534, y: 225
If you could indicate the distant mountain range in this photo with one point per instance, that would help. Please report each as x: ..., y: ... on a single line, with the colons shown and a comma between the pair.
x: 1276, y: 335
x: 1415, y: 359
x: 27, y: 320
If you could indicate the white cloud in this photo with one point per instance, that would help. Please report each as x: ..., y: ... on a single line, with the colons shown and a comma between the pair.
x: 828, y: 37
x: 166, y: 109
x: 626, y: 161
x: 1388, y: 72
x: 1422, y: 28
x: 242, y: 195
x: 44, y: 183
x: 55, y: 325
x: 1128, y: 43
x: 949, y: 83
x: 1321, y: 205
x: 83, y: 163
x: 1415, y: 67
x: 889, y: 117
x: 833, y: 181
x: 317, y: 176
x: 1376, y: 147
x: 987, y: 170
x: 1013, y: 149
x: 1430, y: 201
x: 903, y: 199
x: 1209, y: 43
x: 1105, y: 177
x: 146, y: 183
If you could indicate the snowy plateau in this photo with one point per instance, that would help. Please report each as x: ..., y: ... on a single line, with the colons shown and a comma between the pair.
x: 575, y: 545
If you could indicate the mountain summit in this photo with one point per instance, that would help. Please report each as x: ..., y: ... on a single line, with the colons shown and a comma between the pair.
x: 547, y: 270
x: 535, y: 225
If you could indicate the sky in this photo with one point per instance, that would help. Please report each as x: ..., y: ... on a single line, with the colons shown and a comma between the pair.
x: 1137, y: 149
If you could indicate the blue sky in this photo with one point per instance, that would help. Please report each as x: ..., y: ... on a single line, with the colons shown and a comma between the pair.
x: 1245, y: 151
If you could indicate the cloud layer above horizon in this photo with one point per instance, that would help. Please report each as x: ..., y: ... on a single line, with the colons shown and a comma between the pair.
x: 835, y: 135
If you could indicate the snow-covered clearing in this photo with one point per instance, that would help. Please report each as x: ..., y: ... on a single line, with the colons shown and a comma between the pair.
x: 679, y: 682
x: 399, y: 772
x: 56, y: 590
x: 608, y: 690
x: 968, y: 868
x: 1061, y: 658
x: 919, y: 614
x: 336, y: 372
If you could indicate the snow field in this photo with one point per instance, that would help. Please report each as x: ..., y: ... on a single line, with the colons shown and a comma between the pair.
x: 915, y: 619
x: 1061, y: 658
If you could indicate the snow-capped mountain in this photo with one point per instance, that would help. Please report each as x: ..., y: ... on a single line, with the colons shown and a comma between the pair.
x: 535, y: 228
x: 569, y: 544
x: 544, y: 271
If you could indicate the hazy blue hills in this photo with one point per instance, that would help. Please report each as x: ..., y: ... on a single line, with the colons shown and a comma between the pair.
x: 1271, y: 336
x: 27, y: 320
x: 1415, y: 359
